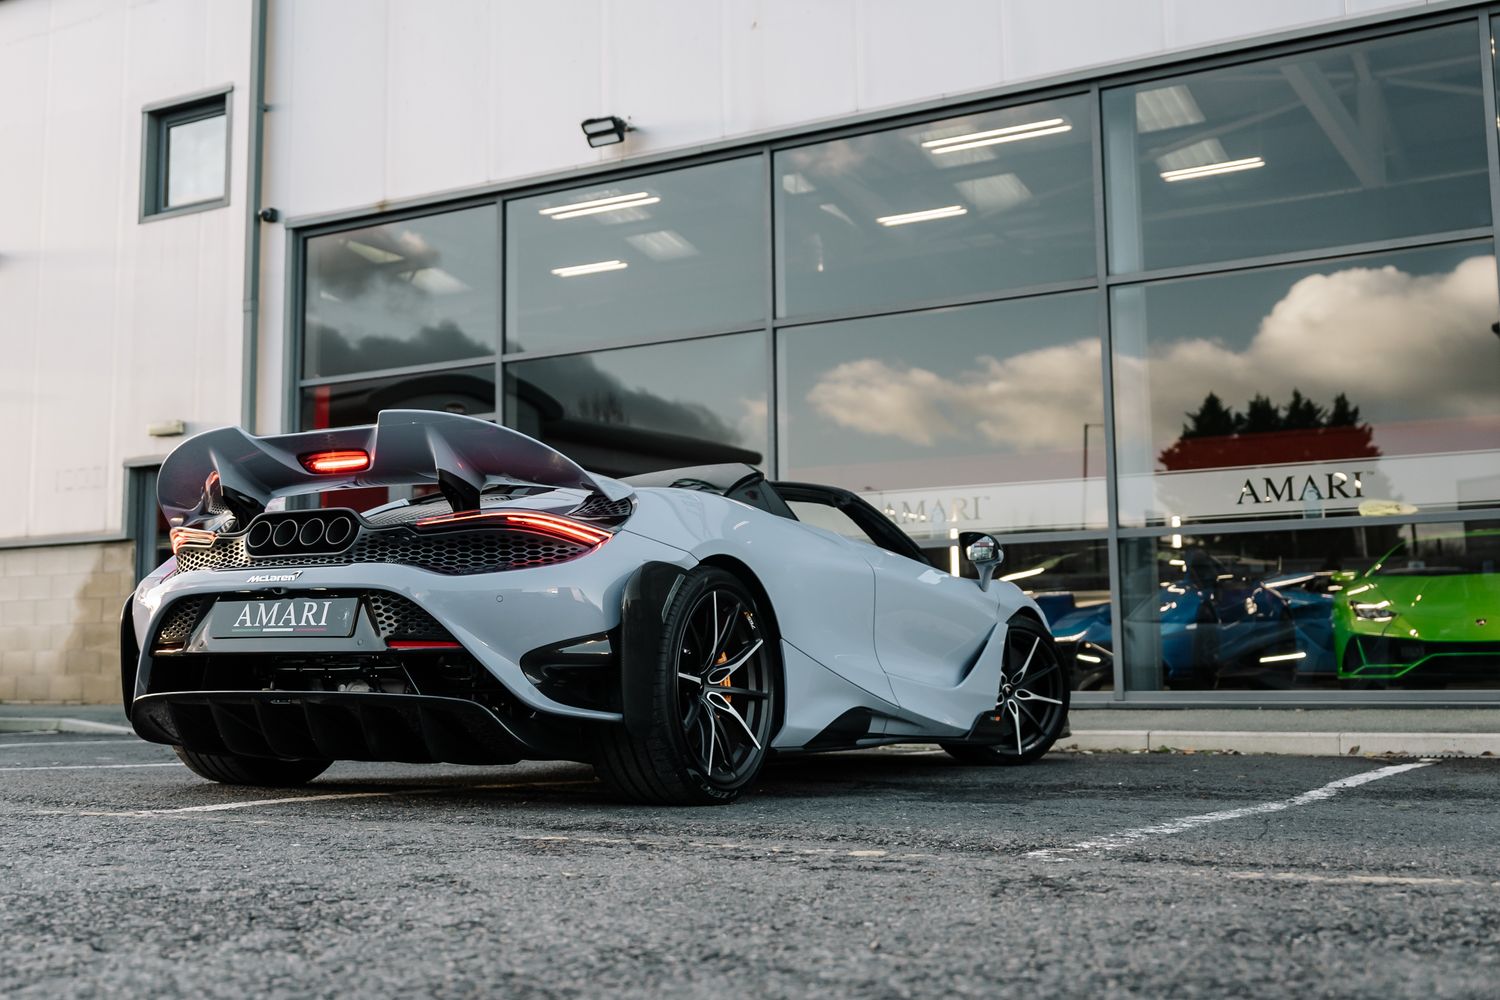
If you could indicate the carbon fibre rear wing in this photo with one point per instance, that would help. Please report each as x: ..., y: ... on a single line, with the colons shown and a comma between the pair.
x: 230, y: 470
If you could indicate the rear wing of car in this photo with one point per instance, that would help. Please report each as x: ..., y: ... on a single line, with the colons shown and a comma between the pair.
x: 228, y: 470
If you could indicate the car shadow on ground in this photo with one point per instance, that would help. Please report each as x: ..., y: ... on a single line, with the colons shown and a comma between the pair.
x: 787, y: 778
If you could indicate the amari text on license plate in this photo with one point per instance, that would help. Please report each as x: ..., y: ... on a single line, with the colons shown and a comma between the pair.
x: 286, y: 616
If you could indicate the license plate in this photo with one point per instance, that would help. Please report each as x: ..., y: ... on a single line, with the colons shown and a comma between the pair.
x: 285, y: 617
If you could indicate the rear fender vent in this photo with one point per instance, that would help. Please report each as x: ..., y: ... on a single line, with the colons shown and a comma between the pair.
x: 181, y: 619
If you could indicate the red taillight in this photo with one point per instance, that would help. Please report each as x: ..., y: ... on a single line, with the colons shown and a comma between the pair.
x: 542, y: 524
x: 422, y: 644
x: 325, y: 462
x: 196, y: 537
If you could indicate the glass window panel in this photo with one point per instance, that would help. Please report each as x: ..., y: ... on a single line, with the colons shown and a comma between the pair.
x: 951, y: 208
x: 983, y: 417
x: 1377, y: 607
x: 1069, y: 581
x: 469, y: 391
x: 195, y: 161
x: 404, y: 293
x: 641, y: 409
x: 1362, y: 386
x: 821, y: 515
x: 1371, y: 141
x: 676, y: 252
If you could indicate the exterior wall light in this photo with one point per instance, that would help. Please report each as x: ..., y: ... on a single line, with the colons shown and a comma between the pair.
x: 604, y: 131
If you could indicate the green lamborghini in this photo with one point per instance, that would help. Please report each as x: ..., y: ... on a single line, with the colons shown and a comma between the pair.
x: 1429, y: 604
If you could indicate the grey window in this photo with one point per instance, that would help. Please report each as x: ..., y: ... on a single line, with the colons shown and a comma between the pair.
x: 1372, y: 141
x: 414, y: 292
x: 984, y: 416
x: 1361, y: 386
x: 670, y: 253
x: 947, y: 209
x: 186, y: 156
x: 641, y: 409
x: 467, y: 391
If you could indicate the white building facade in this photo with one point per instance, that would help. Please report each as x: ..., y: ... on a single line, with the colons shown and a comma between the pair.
x: 1188, y: 301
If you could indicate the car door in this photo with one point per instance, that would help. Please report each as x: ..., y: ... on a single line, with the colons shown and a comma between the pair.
x: 931, y: 628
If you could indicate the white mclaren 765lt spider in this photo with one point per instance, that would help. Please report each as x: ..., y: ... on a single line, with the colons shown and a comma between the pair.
x: 674, y: 630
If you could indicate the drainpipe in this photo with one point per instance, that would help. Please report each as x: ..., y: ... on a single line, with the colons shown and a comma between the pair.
x: 250, y: 347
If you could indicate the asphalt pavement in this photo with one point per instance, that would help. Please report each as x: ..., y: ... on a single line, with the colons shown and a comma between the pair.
x: 872, y: 874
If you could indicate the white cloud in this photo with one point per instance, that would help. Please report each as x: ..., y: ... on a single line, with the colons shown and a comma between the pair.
x: 1014, y: 403
x: 1401, y: 347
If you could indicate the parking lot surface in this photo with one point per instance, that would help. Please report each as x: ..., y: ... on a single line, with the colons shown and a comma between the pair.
x: 881, y: 873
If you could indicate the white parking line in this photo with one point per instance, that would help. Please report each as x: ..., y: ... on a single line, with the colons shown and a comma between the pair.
x: 287, y: 799
x: 224, y: 806
x: 1125, y: 838
x: 84, y: 767
x: 50, y: 743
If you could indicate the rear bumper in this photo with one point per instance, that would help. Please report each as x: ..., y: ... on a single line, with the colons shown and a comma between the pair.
x: 496, y: 617
x: 418, y: 729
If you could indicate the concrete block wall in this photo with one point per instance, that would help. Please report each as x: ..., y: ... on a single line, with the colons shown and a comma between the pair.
x: 60, y: 619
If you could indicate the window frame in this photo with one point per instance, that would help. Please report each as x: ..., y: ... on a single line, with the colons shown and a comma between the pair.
x: 1092, y: 80
x: 157, y: 121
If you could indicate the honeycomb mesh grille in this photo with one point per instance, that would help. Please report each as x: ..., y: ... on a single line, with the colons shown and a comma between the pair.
x: 181, y: 620
x: 599, y: 508
x: 456, y: 553
x: 230, y: 553
x: 397, y: 618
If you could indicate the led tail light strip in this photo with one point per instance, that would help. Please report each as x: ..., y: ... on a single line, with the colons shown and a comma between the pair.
x: 542, y: 524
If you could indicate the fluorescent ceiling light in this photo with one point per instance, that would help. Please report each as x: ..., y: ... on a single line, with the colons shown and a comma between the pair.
x: 995, y: 193
x: 436, y: 281
x: 836, y: 212
x: 576, y: 270
x: 1023, y: 574
x: 1213, y: 169
x: 664, y: 244
x: 795, y: 183
x: 613, y: 204
x: 946, y: 212
x: 1194, y: 154
x: 1283, y: 656
x: 1166, y: 107
x: 994, y: 136
x: 374, y: 255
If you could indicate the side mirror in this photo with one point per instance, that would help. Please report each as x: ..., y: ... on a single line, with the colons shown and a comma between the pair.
x: 985, y: 553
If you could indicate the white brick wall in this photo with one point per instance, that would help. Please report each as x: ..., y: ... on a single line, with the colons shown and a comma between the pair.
x: 59, y: 622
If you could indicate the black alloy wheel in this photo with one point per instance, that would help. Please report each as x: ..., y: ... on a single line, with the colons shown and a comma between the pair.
x: 724, y: 688
x: 1031, y: 707
x: 714, y: 700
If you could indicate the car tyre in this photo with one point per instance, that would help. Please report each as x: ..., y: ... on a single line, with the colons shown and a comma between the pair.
x: 1032, y: 701
x: 710, y: 696
x: 265, y: 772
